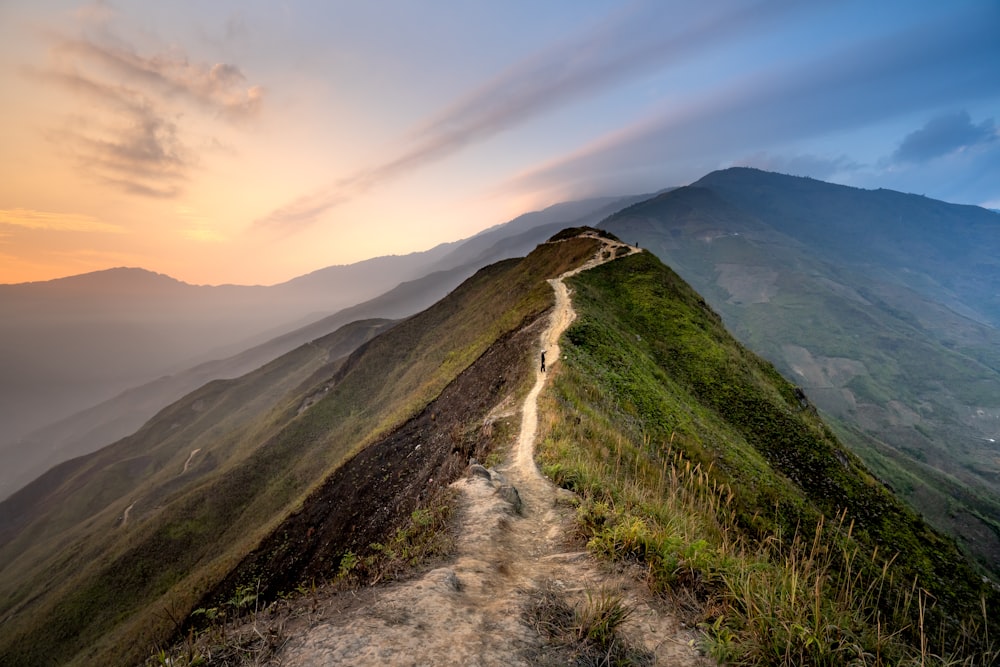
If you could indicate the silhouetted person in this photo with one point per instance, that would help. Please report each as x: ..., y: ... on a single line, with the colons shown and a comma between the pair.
x: 543, y: 361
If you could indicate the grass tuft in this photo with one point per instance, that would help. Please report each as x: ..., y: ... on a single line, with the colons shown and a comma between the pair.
x: 587, y: 634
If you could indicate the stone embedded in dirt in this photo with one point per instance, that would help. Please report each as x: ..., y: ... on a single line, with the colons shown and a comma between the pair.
x: 510, y: 494
x: 497, y: 477
x: 452, y: 581
x: 477, y: 470
x: 567, y: 557
x: 444, y: 579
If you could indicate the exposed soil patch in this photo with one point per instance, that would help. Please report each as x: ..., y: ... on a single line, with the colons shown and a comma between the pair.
x: 374, y: 493
x: 747, y: 284
x: 128, y: 510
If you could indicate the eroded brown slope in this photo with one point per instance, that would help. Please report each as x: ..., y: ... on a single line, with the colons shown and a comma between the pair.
x: 375, y: 492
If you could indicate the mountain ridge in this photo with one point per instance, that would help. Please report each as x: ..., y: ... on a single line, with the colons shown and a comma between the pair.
x: 896, y: 347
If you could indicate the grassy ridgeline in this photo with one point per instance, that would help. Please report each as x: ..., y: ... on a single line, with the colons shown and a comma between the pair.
x: 696, y: 459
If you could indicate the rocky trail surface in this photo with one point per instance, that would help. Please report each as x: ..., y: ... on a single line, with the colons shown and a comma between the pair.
x: 515, y: 562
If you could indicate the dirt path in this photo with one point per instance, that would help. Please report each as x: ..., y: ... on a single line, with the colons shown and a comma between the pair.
x: 472, y: 612
x: 190, y: 457
x: 128, y: 510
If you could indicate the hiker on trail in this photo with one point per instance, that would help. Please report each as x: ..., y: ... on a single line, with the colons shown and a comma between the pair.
x: 543, y: 361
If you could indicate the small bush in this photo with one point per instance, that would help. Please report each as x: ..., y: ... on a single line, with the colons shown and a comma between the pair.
x: 601, y: 618
x: 588, y: 634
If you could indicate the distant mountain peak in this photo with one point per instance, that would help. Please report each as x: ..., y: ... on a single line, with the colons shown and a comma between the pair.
x: 120, y: 281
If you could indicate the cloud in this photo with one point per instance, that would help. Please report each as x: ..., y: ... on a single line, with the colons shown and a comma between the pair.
x: 942, y: 135
x: 618, y: 48
x: 59, y: 222
x: 135, y: 131
x: 220, y: 87
x: 130, y: 144
x: 949, y: 158
x: 859, y: 83
x: 141, y: 155
x: 97, y: 13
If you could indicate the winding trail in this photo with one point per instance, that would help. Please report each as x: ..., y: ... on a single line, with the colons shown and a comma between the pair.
x: 128, y: 510
x: 187, y: 464
x: 562, y: 316
x: 470, y: 612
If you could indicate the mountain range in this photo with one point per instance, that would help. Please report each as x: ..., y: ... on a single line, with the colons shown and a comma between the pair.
x: 879, y: 308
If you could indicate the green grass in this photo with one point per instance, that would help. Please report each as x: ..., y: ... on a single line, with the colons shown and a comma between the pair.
x: 695, y: 459
x: 909, y: 321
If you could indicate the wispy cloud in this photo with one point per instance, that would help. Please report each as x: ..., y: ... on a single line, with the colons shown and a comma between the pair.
x: 859, y: 83
x: 134, y: 132
x: 59, y: 222
x: 220, y: 87
x: 944, y: 134
x: 96, y: 13
x: 643, y: 37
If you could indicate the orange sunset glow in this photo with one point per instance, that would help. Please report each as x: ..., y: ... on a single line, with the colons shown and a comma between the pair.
x: 235, y: 144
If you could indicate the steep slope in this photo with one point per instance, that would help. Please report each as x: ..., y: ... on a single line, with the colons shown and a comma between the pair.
x: 694, y: 460
x: 146, y: 536
x: 88, y: 430
x: 699, y: 461
x: 881, y: 306
x: 948, y: 252
x: 53, y: 501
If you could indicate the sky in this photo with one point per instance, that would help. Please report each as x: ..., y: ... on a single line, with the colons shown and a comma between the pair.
x: 251, y: 142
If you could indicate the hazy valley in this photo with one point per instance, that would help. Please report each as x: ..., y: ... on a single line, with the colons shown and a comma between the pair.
x: 88, y: 359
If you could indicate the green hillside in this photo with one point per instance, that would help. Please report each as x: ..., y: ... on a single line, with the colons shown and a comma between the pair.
x: 698, y: 460
x: 881, y: 306
x: 80, y: 584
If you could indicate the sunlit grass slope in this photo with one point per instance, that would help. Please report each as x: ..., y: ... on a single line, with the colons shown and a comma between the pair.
x: 698, y: 460
x: 78, y: 587
x: 64, y: 535
x: 882, y: 305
